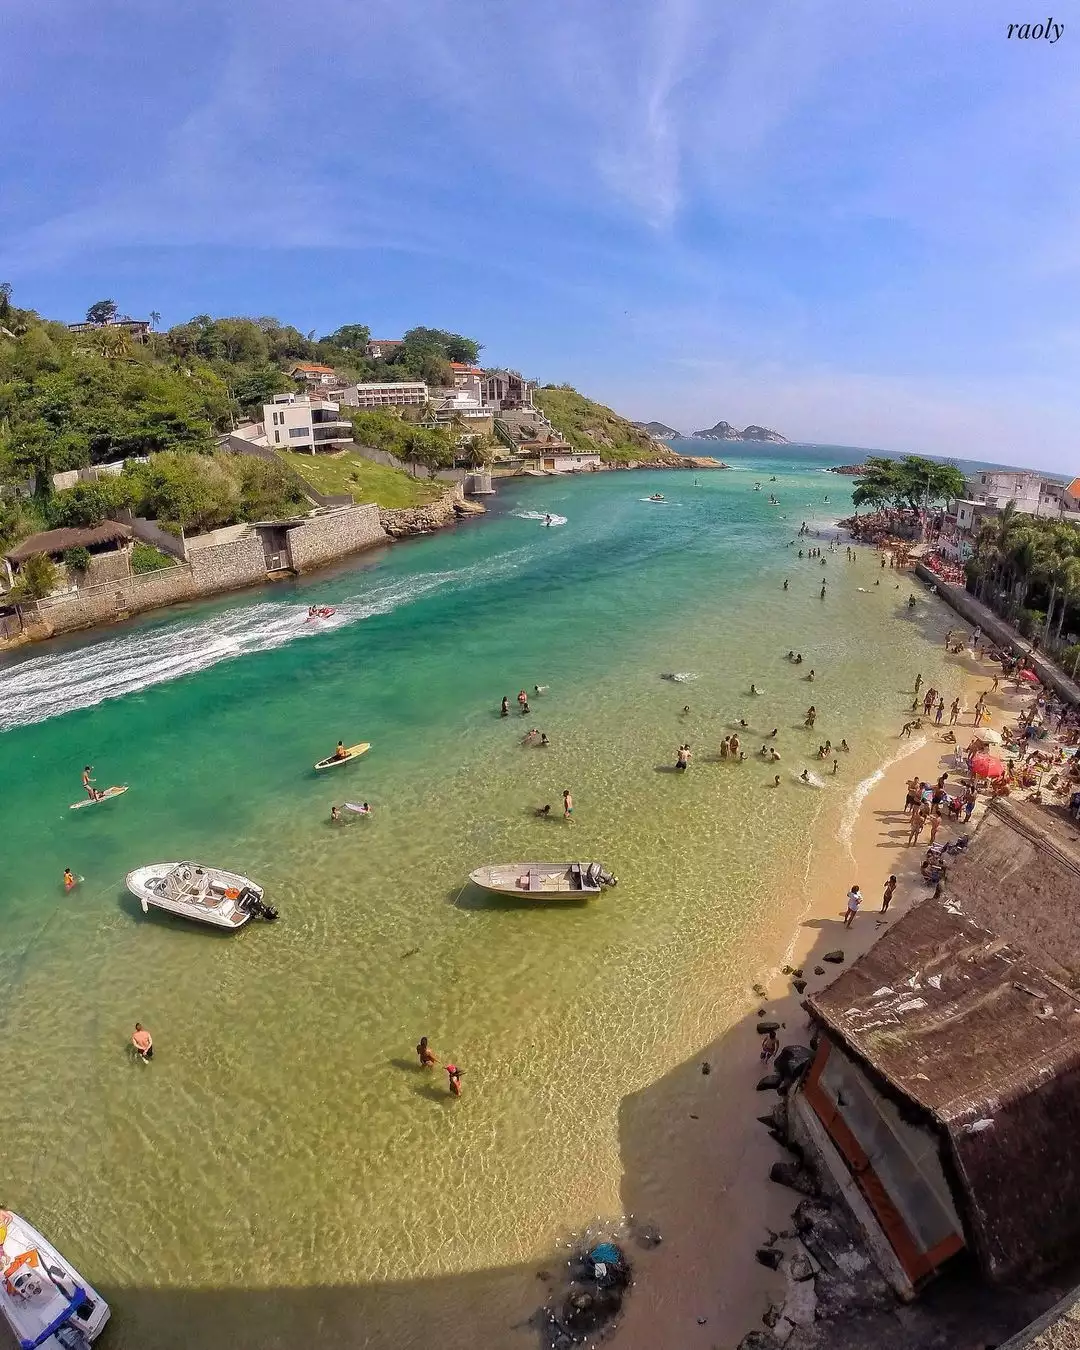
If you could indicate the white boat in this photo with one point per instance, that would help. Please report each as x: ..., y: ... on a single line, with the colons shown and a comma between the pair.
x: 544, y: 881
x: 44, y: 1299
x: 205, y: 894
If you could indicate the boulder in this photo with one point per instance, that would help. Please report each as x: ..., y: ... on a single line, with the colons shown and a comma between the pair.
x: 795, y: 1175
x: 766, y: 1026
x: 836, y: 957
x: 798, y: 985
x: 758, y: 990
x: 769, y: 1256
x: 792, y: 1061
x: 758, y: 1340
x: 770, y: 1082
x: 819, y: 970
x: 800, y: 1267
x: 797, y: 972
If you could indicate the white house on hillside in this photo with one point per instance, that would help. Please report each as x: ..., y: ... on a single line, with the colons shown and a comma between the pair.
x: 296, y: 422
x: 407, y: 393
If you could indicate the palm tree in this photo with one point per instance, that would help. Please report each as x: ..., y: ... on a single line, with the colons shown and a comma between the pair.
x: 155, y: 318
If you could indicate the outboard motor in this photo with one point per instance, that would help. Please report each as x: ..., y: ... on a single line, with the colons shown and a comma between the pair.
x: 72, y: 1337
x: 252, y: 904
x: 597, y: 876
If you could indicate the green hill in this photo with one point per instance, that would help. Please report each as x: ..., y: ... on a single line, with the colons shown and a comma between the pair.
x: 592, y: 426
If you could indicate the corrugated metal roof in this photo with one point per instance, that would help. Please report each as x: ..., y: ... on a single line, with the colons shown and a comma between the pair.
x: 963, y: 1025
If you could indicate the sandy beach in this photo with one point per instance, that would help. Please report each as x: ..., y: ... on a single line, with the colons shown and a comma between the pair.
x: 705, y: 1184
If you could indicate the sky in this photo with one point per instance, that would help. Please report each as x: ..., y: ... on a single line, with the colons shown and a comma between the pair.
x: 858, y: 224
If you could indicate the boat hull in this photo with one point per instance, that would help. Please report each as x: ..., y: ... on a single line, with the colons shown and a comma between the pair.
x: 53, y: 1288
x: 144, y: 884
x: 537, y: 881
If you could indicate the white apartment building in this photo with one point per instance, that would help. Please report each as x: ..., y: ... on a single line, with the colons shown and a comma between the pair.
x: 296, y: 422
x: 409, y: 393
x: 1033, y: 494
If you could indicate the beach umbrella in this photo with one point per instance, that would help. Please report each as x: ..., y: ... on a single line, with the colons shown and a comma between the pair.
x: 988, y: 735
x: 986, y: 766
x: 1030, y: 676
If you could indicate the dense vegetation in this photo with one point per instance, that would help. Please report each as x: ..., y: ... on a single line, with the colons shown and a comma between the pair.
x: 911, y: 483
x: 591, y: 426
x: 1028, y: 570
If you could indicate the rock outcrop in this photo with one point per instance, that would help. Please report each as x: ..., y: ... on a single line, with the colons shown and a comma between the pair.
x: 403, y: 523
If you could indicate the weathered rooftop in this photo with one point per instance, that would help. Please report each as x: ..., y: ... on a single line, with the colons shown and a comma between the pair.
x: 57, y: 541
x: 1021, y: 879
x: 963, y: 1025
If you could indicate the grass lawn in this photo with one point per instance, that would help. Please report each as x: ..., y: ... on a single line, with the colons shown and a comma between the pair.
x: 367, y: 481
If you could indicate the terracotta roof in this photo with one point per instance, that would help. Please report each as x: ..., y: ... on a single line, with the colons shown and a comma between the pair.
x: 56, y: 541
x: 986, y: 1046
x: 463, y: 366
x: 313, y: 368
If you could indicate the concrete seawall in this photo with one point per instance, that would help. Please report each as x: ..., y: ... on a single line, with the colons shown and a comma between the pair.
x: 1004, y: 634
x: 266, y: 552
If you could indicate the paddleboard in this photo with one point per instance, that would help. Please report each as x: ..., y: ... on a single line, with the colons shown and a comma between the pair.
x: 93, y: 801
x: 351, y: 752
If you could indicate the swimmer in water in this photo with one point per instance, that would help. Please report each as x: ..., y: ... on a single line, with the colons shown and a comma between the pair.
x: 754, y: 690
x: 743, y: 722
x: 504, y: 710
x: 335, y: 813
x: 543, y: 811
x: 776, y: 781
x: 798, y: 659
x: 791, y: 656
x: 425, y: 1054
x: 844, y: 746
x: 810, y: 677
x: 805, y: 775
x: 453, y: 1077
x: 773, y: 734
x: 69, y: 880
x: 785, y: 583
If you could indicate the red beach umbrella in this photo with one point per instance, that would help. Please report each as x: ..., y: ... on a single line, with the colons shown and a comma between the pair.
x: 986, y: 766
x: 1030, y: 676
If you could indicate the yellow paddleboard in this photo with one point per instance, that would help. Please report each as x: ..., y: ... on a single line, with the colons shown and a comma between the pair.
x: 351, y: 752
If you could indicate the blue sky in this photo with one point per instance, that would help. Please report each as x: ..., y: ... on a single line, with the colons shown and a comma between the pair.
x: 859, y: 224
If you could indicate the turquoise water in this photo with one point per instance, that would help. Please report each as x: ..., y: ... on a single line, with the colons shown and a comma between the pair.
x: 282, y: 1112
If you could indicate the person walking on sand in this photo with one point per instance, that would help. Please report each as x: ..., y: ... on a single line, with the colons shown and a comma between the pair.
x: 143, y: 1042
x: 769, y: 1047
x: 994, y: 686
x: 854, y: 900
x: 567, y: 807
x: 954, y: 712
x: 918, y: 818
x: 940, y: 713
x: 426, y: 1055
x: 935, y: 824
x: 918, y: 683
x: 890, y: 889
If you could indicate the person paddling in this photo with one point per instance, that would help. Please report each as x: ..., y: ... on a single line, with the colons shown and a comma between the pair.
x: 88, y: 782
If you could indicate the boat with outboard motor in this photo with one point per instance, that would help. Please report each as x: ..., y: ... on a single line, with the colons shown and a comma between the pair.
x: 544, y: 881
x: 44, y: 1299
x: 206, y: 894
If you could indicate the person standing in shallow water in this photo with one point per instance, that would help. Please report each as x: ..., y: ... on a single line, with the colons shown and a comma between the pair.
x: 567, y: 807
x: 425, y: 1054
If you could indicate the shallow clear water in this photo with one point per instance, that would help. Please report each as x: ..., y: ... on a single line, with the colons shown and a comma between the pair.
x: 282, y: 1137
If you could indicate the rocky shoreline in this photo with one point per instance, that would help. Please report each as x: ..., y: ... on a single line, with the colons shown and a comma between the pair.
x: 408, y: 522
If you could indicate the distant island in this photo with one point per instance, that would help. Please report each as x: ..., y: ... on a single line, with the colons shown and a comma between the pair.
x: 853, y: 470
x: 659, y: 431
x: 724, y: 431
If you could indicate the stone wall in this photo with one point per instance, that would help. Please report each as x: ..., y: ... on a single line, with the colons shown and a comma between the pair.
x: 324, y: 538
x: 407, y: 521
x: 223, y: 567
x: 106, y: 567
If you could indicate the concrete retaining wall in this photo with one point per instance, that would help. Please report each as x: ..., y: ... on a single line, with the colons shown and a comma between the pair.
x: 324, y: 538
x: 1004, y: 634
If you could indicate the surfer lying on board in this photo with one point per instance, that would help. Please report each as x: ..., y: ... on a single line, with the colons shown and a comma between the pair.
x: 88, y: 783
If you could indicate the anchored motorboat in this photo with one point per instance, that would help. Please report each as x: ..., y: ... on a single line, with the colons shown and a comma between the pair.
x: 544, y: 881
x: 44, y: 1299
x: 205, y: 894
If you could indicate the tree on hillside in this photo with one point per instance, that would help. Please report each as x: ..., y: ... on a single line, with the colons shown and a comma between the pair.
x: 256, y: 387
x: 912, y: 483
x: 101, y: 311
x: 155, y: 318
x: 448, y: 346
x: 5, y: 301
x: 88, y: 503
x: 351, y: 337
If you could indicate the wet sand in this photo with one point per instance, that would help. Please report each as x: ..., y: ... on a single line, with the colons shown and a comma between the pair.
x: 704, y: 1182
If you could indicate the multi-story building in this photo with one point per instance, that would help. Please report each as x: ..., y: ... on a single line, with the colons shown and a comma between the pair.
x: 407, y: 393
x: 297, y: 422
x: 990, y: 491
x: 136, y: 328
x: 506, y: 390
